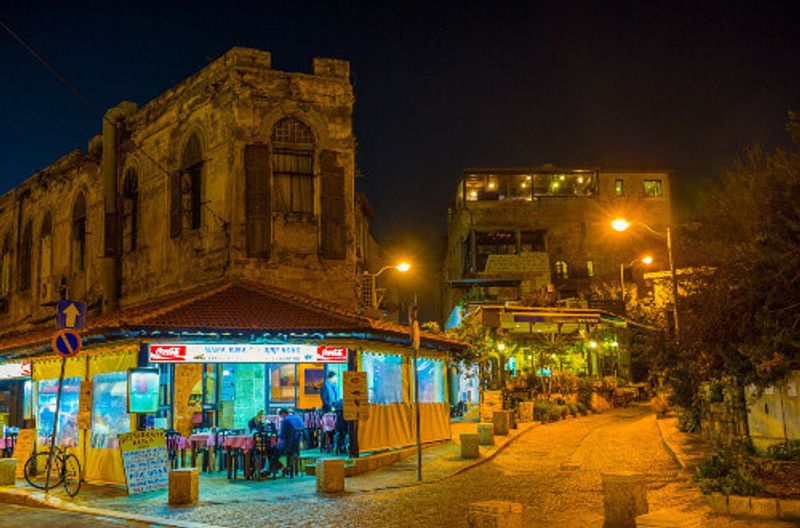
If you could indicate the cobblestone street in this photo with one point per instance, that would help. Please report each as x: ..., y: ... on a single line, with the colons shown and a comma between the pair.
x: 537, y: 470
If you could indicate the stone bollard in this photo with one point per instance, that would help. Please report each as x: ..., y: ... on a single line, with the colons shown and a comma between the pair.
x: 669, y: 519
x: 184, y: 485
x: 502, y: 422
x: 624, y: 498
x: 486, y: 434
x: 525, y: 412
x: 495, y: 514
x: 469, y: 445
x: 330, y: 475
x: 8, y: 471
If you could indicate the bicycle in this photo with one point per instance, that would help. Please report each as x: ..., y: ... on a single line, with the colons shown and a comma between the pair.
x: 66, y: 469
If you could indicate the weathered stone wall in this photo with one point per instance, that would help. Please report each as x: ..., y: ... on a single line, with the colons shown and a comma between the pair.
x: 231, y: 103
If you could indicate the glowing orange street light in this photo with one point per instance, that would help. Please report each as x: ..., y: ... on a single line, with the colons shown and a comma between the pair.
x: 401, y: 267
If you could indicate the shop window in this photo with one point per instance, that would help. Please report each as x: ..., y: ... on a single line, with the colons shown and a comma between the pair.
x: 282, y: 381
x: 130, y: 211
x: 68, y: 416
x: 384, y: 377
x: 292, y: 166
x: 590, y: 268
x: 46, y: 258
x: 28, y: 399
x: 619, y: 188
x: 109, y: 409
x: 431, y: 380
x: 653, y: 188
x: 561, y: 270
x: 26, y: 257
x: 518, y: 187
x: 79, y: 233
x: 242, y: 393
x: 494, y: 243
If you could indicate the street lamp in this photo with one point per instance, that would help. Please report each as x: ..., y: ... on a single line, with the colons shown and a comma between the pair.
x: 621, y: 224
x: 644, y: 260
x: 402, y: 268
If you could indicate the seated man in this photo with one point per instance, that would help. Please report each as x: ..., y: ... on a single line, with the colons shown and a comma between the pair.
x: 292, y: 427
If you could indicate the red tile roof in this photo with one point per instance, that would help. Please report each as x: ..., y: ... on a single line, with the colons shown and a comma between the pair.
x: 231, y: 305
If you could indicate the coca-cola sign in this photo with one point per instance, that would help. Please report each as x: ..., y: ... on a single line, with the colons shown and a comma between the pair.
x: 245, y: 353
x: 15, y: 370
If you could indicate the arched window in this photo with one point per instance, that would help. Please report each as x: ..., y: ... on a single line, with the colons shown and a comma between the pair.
x: 25, y: 257
x: 46, y: 257
x: 5, y: 267
x: 130, y: 211
x: 186, y: 193
x: 562, y: 270
x: 79, y: 233
x: 292, y: 166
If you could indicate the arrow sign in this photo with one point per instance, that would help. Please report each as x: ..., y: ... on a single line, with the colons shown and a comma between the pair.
x: 71, y: 314
x: 67, y: 343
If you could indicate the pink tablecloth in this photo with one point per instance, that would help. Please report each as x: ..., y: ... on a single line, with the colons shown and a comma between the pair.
x: 239, y: 442
x: 201, y: 440
x: 3, y: 443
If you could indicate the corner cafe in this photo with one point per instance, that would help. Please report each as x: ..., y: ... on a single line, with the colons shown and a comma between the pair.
x: 181, y: 362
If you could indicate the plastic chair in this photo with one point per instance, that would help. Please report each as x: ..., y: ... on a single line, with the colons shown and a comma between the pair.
x: 293, y: 455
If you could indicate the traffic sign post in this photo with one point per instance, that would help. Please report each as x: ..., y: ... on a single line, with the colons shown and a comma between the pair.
x: 71, y: 314
x: 67, y: 343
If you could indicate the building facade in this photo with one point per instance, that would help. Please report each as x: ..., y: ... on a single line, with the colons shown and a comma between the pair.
x: 515, y: 232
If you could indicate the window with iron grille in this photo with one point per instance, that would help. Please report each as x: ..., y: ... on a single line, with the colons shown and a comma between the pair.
x: 293, y: 167
x: 561, y: 270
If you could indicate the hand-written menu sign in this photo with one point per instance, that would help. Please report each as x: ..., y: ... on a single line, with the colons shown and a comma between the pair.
x: 144, y: 457
x: 85, y: 405
x: 23, y: 448
x: 355, y: 396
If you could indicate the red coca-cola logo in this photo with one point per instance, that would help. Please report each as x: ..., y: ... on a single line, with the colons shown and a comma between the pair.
x: 331, y: 353
x: 25, y: 369
x: 167, y: 352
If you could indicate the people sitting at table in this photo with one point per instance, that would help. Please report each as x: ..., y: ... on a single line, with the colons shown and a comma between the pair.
x: 292, y: 427
x: 257, y: 423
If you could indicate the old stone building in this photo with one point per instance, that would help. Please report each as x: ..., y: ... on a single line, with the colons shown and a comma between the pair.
x: 512, y: 232
x: 239, y: 171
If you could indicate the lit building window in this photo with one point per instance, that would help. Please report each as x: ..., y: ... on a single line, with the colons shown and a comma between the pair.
x: 653, y: 188
x: 590, y: 268
x: 561, y: 270
x: 619, y: 188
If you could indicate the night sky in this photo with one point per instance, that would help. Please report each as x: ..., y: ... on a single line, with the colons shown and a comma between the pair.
x: 439, y: 85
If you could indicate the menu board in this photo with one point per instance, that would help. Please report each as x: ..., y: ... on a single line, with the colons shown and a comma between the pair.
x: 85, y: 405
x: 23, y: 448
x: 355, y: 396
x: 144, y: 458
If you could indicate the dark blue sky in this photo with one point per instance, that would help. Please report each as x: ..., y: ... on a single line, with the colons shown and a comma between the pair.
x: 439, y: 86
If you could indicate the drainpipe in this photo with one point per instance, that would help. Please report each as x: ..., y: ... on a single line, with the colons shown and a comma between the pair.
x: 113, y: 124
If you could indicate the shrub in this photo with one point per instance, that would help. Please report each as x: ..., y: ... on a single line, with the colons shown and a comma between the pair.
x: 659, y: 404
x: 729, y: 472
x: 560, y: 401
x: 573, y: 408
x: 789, y: 450
x: 585, y: 390
x: 563, y: 410
x: 581, y: 408
x: 688, y: 420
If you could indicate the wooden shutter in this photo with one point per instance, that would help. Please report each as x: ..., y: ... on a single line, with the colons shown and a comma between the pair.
x: 175, y: 205
x: 257, y: 200
x: 333, y: 206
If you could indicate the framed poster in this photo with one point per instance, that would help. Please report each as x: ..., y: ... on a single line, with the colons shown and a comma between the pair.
x: 313, y: 380
x: 143, y: 390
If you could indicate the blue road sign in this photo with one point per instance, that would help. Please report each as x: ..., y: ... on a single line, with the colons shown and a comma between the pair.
x: 67, y: 343
x: 71, y: 314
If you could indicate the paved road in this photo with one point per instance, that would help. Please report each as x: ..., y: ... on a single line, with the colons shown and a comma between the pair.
x: 21, y: 516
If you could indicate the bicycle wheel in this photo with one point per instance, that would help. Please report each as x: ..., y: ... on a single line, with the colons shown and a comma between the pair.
x: 36, y: 470
x: 72, y: 475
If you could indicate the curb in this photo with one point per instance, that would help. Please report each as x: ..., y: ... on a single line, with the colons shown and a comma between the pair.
x: 499, y: 450
x: 10, y: 495
x: 673, y: 450
x: 755, y: 507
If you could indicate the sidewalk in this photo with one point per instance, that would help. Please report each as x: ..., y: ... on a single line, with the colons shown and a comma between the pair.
x: 687, y: 449
x: 440, y: 461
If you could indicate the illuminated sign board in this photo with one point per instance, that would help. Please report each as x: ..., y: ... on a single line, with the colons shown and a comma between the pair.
x: 244, y: 353
x: 15, y: 370
x: 143, y: 390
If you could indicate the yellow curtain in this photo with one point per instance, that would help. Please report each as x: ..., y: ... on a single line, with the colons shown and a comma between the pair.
x: 392, y: 426
x: 105, y: 464
x: 50, y: 367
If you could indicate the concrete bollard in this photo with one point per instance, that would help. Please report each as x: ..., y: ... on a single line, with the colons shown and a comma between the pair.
x: 669, y: 519
x: 8, y: 471
x: 525, y: 412
x: 502, y: 422
x: 624, y: 498
x: 495, y: 514
x: 184, y: 485
x: 330, y: 475
x: 470, y: 445
x: 486, y: 434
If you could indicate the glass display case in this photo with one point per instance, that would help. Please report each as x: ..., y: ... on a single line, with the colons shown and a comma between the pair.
x: 384, y: 377
x: 431, y: 380
x: 68, y: 415
x: 109, y: 409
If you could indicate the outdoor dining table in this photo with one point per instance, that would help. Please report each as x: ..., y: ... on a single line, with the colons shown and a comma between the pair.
x: 243, y: 442
x: 205, y: 441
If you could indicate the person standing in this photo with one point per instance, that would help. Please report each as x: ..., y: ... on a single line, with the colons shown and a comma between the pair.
x: 330, y: 394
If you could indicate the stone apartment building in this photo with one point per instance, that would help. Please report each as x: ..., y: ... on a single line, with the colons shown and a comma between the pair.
x: 238, y: 171
x: 512, y: 231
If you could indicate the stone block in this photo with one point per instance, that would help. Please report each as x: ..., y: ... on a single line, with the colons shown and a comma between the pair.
x: 789, y: 509
x: 624, y: 498
x: 668, y: 519
x: 184, y: 485
x: 330, y: 475
x: 502, y: 422
x: 738, y: 505
x: 525, y: 412
x: 718, y: 502
x: 486, y: 434
x: 470, y: 443
x: 495, y: 514
x: 762, y: 507
x: 8, y: 471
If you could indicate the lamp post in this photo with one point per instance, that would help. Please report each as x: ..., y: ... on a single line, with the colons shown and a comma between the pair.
x: 402, y: 268
x: 644, y: 260
x: 621, y: 224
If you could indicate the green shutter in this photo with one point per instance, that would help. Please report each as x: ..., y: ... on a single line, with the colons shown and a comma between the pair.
x: 257, y: 200
x: 333, y: 206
